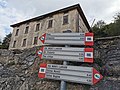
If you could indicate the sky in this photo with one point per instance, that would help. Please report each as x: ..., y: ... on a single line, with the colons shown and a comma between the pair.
x: 13, y: 11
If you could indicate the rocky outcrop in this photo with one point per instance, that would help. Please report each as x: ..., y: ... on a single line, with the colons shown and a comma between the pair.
x: 107, y: 57
x: 19, y: 69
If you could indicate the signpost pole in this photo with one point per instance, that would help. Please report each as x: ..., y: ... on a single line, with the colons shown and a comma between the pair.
x: 63, y: 83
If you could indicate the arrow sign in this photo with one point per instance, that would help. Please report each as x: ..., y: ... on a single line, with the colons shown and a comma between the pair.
x: 67, y: 38
x: 77, y: 74
x: 66, y: 54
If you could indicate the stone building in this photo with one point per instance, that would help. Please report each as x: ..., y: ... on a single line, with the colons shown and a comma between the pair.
x: 26, y: 33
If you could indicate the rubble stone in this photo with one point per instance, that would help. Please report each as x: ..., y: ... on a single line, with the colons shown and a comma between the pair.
x: 19, y: 69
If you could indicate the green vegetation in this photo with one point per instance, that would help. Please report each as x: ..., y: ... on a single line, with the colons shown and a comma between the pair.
x: 101, y: 29
x: 6, y: 41
x: 0, y: 42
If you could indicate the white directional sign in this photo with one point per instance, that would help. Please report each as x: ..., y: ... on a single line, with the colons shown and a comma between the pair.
x: 66, y: 54
x: 78, y: 74
x: 67, y: 38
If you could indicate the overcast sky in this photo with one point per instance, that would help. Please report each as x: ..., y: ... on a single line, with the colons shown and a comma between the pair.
x: 12, y: 11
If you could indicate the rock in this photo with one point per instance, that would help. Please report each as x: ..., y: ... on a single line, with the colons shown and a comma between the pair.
x: 16, y: 51
x: 19, y: 69
x: 1, y: 67
x: 24, y: 86
x: 2, y: 80
x: 16, y: 59
x: 5, y: 73
x: 107, y: 85
x: 30, y: 60
x: 4, y: 52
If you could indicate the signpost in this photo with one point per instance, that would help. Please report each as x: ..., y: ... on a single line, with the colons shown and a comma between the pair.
x: 68, y: 39
x: 77, y: 74
x: 66, y: 54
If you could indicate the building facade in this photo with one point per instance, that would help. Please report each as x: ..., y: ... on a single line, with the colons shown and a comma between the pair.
x: 25, y: 34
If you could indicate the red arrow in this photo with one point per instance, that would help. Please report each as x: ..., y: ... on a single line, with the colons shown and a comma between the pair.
x: 42, y: 38
x: 39, y: 53
x: 96, y: 76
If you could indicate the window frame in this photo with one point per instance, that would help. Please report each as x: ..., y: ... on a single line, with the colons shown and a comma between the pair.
x: 17, y: 31
x: 35, y: 40
x: 24, y: 42
x: 50, y: 24
x: 26, y: 30
x: 14, y: 44
x: 37, y: 28
x: 65, y: 22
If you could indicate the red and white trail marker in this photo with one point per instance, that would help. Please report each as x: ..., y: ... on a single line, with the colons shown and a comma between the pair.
x: 77, y: 74
x: 68, y: 38
x: 66, y: 54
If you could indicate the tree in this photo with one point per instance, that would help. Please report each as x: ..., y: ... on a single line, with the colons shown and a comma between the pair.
x: 117, y: 24
x: 0, y: 42
x: 117, y: 18
x: 100, y: 24
x: 114, y: 28
x: 6, y: 41
x: 99, y: 29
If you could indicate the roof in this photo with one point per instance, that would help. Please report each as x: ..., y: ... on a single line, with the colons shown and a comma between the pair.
x: 77, y: 6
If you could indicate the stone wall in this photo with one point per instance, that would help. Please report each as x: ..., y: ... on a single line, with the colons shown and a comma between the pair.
x: 19, y: 69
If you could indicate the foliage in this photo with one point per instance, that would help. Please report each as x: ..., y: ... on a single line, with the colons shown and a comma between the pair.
x: 0, y: 42
x: 101, y: 29
x: 6, y: 41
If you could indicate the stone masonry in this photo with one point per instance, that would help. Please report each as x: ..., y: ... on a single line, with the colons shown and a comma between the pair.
x: 75, y: 24
x: 19, y: 68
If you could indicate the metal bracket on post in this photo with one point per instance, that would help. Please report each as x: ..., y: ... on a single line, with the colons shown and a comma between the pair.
x: 63, y: 83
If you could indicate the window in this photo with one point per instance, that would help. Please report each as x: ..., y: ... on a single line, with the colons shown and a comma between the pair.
x: 50, y: 22
x: 24, y: 42
x: 26, y: 30
x: 14, y: 44
x: 65, y: 19
x: 35, y: 40
x: 16, y: 34
x: 37, y: 27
